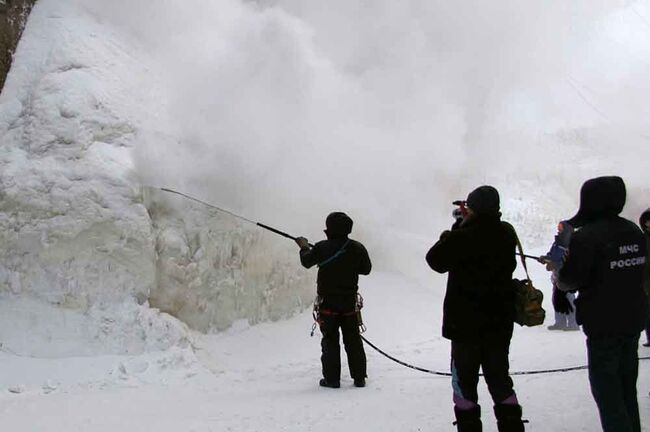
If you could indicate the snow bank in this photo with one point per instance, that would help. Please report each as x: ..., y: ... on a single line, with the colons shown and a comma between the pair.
x: 33, y: 328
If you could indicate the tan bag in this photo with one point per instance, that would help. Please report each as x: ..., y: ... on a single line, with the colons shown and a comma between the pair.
x: 528, y: 299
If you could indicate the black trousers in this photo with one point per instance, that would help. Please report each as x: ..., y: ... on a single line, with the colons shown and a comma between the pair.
x: 613, y: 371
x: 490, y: 353
x: 338, y: 313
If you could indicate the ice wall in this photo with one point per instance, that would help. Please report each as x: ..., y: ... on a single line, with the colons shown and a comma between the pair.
x: 212, y: 270
x: 73, y: 227
x: 78, y: 229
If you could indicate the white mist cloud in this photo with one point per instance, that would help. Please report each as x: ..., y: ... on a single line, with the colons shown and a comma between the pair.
x: 286, y: 109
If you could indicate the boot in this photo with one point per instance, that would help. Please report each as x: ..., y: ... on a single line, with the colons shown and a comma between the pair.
x: 331, y: 384
x: 468, y: 420
x: 509, y: 418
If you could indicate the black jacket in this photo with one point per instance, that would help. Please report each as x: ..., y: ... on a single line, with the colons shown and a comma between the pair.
x: 480, y: 259
x: 340, y: 261
x: 605, y: 264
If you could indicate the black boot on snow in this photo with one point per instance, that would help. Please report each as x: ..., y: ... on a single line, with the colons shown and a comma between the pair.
x: 331, y: 384
x: 468, y: 420
x: 509, y: 418
x: 360, y: 382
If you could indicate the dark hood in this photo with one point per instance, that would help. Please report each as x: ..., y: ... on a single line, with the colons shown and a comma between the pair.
x: 644, y: 217
x: 338, y: 225
x: 600, y: 197
x: 484, y: 201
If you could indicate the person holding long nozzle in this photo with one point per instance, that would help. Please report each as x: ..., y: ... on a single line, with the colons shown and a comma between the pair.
x: 479, y: 308
x: 604, y: 263
x: 340, y: 261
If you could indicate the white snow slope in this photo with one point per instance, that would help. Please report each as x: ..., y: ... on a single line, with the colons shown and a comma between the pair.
x: 124, y: 308
x: 265, y: 378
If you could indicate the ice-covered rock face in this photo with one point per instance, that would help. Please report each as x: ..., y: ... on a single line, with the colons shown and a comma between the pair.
x: 77, y: 229
x: 212, y: 270
x: 73, y: 227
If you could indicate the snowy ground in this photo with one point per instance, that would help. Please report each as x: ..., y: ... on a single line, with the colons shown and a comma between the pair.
x: 264, y: 378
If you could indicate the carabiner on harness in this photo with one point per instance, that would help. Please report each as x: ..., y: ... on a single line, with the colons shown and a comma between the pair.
x: 357, y: 310
x: 318, y: 300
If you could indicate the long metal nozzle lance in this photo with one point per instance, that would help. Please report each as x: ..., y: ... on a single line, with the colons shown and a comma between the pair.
x: 536, y: 258
x: 261, y: 225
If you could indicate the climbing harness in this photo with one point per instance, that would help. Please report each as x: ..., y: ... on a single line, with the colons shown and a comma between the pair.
x: 317, y: 312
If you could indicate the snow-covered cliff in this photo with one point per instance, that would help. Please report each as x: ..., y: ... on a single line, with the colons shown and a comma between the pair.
x: 78, y: 229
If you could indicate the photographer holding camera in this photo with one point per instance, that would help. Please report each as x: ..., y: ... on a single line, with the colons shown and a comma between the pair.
x: 478, y: 311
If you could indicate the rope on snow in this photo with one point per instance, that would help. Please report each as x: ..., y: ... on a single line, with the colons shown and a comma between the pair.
x: 433, y: 372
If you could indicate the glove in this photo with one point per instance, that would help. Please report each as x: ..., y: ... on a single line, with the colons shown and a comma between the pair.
x: 555, y: 258
x: 302, y: 242
x: 561, y: 303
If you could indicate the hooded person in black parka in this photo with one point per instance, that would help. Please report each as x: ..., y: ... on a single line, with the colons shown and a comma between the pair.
x: 605, y: 264
x: 340, y: 261
x: 478, y: 310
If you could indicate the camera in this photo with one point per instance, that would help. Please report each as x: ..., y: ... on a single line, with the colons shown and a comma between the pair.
x: 461, y: 211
